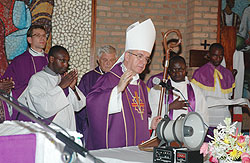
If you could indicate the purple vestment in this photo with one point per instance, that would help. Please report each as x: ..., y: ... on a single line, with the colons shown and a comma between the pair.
x: 21, y: 69
x: 88, y: 80
x: 126, y: 128
x: 150, y: 82
x: 204, y: 77
x: 191, y: 99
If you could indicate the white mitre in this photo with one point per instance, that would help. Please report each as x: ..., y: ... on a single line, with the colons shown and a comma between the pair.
x: 140, y: 36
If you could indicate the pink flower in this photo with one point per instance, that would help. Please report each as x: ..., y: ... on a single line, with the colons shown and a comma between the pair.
x: 210, y: 151
x: 204, y: 149
x: 213, y: 159
x: 245, y: 157
x: 241, y: 139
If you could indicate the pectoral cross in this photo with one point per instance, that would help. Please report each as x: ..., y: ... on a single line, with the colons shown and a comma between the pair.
x: 138, y: 104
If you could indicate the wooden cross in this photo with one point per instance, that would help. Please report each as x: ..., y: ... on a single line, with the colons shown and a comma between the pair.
x: 137, y: 104
x: 205, y: 44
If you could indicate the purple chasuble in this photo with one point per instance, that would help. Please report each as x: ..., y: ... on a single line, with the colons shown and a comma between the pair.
x: 21, y: 69
x: 191, y: 99
x: 126, y: 128
x: 150, y: 82
x: 86, y: 83
x: 204, y: 76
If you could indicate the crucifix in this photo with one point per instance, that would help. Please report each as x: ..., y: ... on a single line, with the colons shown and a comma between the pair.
x: 205, y: 44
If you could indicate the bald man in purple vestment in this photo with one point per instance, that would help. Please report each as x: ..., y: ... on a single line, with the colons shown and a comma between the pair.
x: 106, y: 58
x: 25, y: 65
x: 117, y: 107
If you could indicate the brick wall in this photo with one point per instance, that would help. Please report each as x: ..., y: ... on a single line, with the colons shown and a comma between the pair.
x: 195, y: 19
x: 201, y: 24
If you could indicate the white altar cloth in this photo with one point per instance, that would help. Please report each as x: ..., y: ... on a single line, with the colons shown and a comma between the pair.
x: 123, y: 155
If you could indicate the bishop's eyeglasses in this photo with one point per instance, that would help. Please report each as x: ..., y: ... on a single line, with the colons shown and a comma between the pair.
x: 140, y: 57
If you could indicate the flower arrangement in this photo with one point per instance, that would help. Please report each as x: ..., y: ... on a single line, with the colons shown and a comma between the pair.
x: 227, y: 144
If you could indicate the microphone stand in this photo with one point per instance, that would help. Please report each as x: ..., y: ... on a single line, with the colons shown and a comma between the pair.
x: 166, y: 118
x: 67, y: 141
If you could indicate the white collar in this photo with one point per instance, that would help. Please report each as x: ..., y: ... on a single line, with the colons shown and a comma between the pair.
x: 35, y: 53
x: 134, y: 79
x: 100, y: 70
x: 180, y: 83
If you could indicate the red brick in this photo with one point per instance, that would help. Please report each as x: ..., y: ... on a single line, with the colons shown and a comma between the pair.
x: 102, y: 33
x: 197, y: 28
x: 201, y: 22
x: 166, y: 6
x: 109, y: 14
x: 117, y: 14
x: 150, y: 11
x: 118, y: 3
x: 157, y: 0
x: 166, y: 12
x: 213, y: 35
x: 197, y: 3
x: 105, y: 8
x: 214, y: 9
x: 211, y: 3
x: 182, y: 6
x: 202, y: 9
x: 142, y: 4
x: 197, y: 15
x: 101, y: 13
x: 125, y: 15
x: 126, y: 3
x: 200, y: 35
x: 210, y: 16
x: 134, y: 4
x: 213, y: 22
x: 180, y: 12
x: 209, y: 29
x: 116, y: 33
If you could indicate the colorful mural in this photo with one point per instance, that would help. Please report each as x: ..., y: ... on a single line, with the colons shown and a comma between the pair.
x: 236, y: 13
x: 15, y: 20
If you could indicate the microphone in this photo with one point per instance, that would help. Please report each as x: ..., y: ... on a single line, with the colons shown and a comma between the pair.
x: 160, y: 82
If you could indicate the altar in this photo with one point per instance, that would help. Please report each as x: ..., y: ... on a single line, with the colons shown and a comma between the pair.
x: 27, y: 142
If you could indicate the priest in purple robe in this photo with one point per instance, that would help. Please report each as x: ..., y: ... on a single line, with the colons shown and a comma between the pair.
x: 106, y: 58
x: 117, y: 107
x: 25, y: 65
